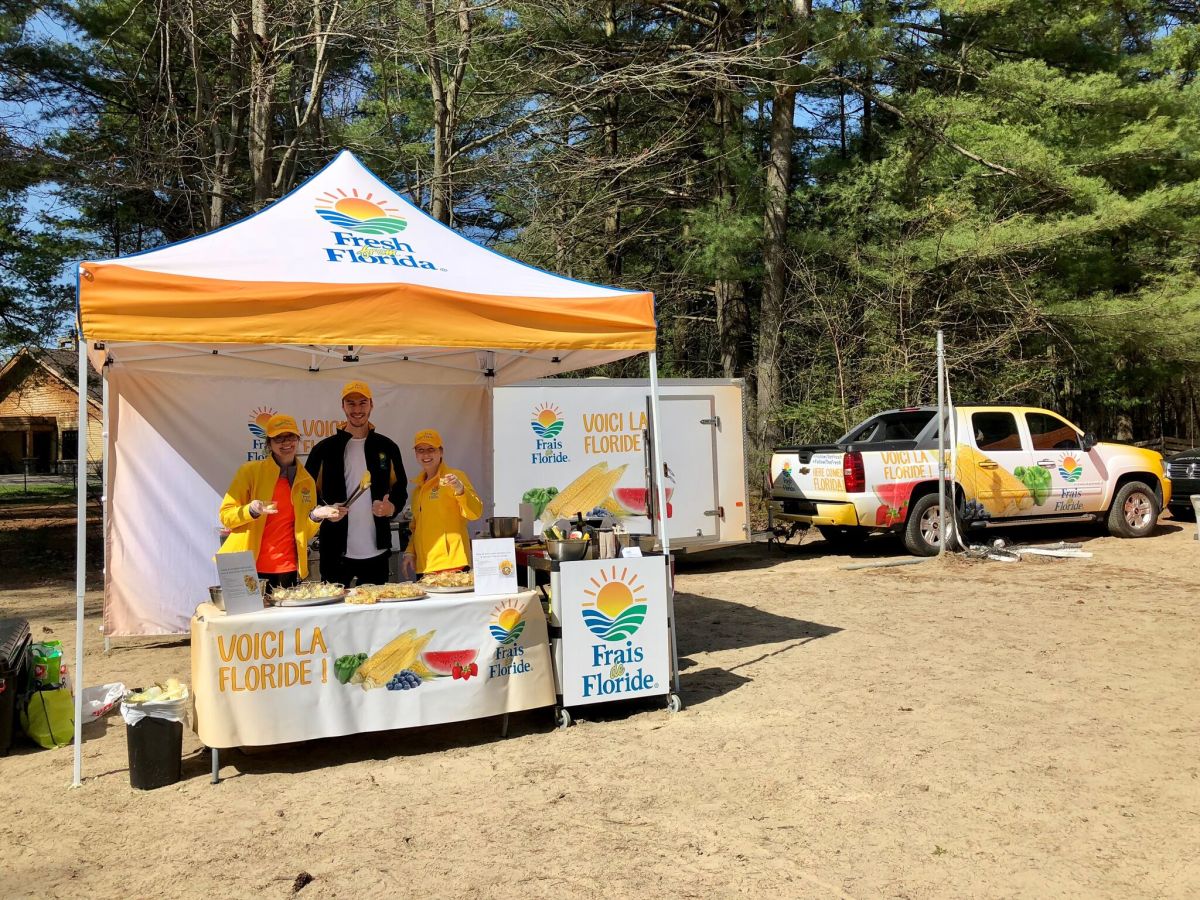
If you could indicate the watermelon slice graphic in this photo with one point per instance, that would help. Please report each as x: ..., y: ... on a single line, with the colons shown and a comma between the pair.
x: 634, y: 499
x: 894, y: 496
x: 442, y: 662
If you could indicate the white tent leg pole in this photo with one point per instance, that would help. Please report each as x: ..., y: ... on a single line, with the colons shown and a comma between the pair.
x: 80, y: 553
x: 941, y: 414
x: 660, y: 506
x: 104, y: 482
x: 489, y: 441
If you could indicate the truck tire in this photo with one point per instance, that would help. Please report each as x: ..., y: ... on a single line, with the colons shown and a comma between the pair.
x: 1134, y: 511
x: 843, y: 537
x: 920, y: 531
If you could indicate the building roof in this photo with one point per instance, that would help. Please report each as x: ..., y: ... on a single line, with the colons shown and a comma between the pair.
x: 62, y: 364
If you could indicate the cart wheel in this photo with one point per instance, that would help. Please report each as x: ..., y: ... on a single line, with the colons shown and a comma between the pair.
x: 674, y: 703
x: 563, y: 717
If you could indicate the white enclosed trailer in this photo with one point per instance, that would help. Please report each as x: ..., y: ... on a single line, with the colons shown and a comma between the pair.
x: 551, y: 432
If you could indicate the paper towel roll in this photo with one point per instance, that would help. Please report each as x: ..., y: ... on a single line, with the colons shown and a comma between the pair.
x: 526, y: 512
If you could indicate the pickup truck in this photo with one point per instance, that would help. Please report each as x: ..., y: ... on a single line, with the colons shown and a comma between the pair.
x: 1014, y: 465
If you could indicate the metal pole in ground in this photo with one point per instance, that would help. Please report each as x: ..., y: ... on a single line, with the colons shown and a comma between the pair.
x: 80, y: 552
x: 941, y: 466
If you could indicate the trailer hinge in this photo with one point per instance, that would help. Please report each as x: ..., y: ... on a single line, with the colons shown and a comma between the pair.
x: 715, y: 420
x: 719, y: 512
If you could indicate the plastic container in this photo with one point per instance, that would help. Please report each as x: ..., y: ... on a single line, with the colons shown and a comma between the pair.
x: 155, y: 753
x: 14, y: 675
x: 15, y: 642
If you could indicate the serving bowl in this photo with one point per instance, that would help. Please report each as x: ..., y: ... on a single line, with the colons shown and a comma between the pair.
x: 570, y: 550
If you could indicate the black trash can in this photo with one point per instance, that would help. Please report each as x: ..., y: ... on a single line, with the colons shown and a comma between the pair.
x: 155, y: 753
x: 15, y: 642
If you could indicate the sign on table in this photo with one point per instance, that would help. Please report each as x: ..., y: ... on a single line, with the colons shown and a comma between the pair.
x: 494, y: 564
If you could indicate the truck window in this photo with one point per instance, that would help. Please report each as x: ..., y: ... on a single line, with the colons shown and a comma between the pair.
x: 995, y: 431
x: 1051, y: 433
x: 897, y: 426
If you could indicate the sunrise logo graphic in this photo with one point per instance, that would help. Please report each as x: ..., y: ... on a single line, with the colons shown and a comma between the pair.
x: 547, y: 421
x: 507, y: 622
x: 362, y: 215
x: 1069, y: 469
x: 258, y: 422
x: 616, y: 612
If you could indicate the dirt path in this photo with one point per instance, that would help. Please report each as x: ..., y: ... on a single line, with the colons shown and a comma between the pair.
x: 951, y: 729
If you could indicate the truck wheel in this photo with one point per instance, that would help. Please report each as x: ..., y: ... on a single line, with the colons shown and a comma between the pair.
x: 1134, y: 511
x: 921, y: 535
x: 843, y: 537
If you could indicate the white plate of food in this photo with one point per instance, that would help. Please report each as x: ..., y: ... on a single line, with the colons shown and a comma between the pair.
x: 448, y: 583
x: 368, y: 594
x: 308, y: 594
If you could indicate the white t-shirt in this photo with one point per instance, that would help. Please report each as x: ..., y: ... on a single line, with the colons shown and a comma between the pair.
x: 360, y: 523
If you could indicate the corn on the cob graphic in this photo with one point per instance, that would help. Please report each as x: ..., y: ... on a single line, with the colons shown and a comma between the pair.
x: 400, y: 653
x: 1006, y: 494
x: 585, y: 493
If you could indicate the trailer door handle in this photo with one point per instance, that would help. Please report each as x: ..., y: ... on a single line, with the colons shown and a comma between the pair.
x: 1046, y: 463
x: 989, y: 465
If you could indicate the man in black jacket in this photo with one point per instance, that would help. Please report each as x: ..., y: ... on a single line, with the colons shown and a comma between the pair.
x: 359, y: 545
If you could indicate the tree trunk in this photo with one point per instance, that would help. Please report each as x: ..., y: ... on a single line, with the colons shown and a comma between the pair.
x: 775, y: 215
x: 733, y: 317
x: 612, y: 219
x: 262, y: 87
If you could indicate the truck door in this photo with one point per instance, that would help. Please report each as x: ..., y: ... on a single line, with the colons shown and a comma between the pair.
x: 1001, y: 465
x: 689, y: 435
x: 1075, y: 484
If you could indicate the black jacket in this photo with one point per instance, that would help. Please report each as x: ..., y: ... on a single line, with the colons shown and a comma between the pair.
x: 327, y: 465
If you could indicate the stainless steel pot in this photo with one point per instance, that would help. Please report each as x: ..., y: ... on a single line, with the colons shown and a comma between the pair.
x: 504, y: 526
x: 645, y: 542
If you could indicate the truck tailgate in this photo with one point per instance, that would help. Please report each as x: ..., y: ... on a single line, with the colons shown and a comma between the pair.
x: 808, y: 473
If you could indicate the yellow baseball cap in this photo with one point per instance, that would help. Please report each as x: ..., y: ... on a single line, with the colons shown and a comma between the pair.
x: 427, y: 436
x: 280, y: 424
x: 356, y: 387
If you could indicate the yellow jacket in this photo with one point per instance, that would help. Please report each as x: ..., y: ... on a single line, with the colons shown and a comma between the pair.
x: 439, y: 522
x: 256, y: 481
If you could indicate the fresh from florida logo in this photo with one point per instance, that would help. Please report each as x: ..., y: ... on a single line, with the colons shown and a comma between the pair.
x: 1070, y: 469
x: 547, y: 422
x: 362, y: 215
x: 258, y: 422
x: 507, y: 622
x: 616, y: 612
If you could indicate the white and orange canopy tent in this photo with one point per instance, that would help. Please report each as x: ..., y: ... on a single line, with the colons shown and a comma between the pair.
x: 342, y: 278
x: 344, y: 262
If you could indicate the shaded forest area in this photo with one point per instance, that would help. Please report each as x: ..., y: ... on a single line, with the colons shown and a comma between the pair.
x: 811, y: 189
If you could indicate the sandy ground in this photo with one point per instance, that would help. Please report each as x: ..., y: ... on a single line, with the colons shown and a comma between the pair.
x: 952, y: 729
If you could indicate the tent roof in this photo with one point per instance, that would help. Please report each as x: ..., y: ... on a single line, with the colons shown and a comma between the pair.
x: 344, y: 262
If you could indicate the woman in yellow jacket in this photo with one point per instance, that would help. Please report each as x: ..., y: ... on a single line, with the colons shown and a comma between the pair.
x: 271, y: 509
x: 443, y: 503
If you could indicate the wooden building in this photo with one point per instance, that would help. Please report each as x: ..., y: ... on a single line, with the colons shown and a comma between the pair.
x: 39, y: 412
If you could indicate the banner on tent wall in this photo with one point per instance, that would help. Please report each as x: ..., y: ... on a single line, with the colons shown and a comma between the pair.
x: 175, y: 443
x: 295, y: 674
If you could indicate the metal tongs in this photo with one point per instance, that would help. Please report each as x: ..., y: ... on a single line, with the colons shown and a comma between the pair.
x: 363, y: 484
